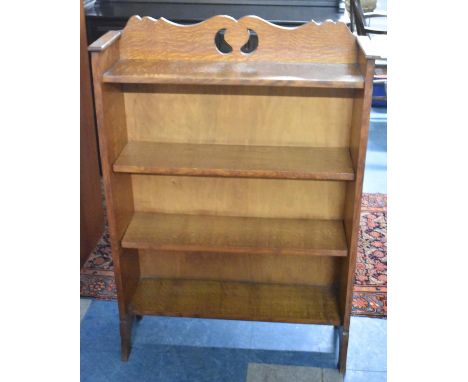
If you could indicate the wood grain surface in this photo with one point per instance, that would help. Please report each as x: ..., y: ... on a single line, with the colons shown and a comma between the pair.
x: 352, y: 211
x: 236, y: 301
x: 236, y: 73
x: 105, y: 41
x: 248, y: 267
x: 150, y: 39
x: 235, y: 161
x: 91, y: 210
x: 273, y: 198
x: 236, y: 115
x: 112, y: 131
x: 235, y: 235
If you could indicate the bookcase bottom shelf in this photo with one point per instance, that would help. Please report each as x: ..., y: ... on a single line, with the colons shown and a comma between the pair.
x: 236, y: 301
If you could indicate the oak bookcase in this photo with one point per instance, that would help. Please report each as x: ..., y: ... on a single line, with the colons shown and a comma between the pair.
x: 233, y: 180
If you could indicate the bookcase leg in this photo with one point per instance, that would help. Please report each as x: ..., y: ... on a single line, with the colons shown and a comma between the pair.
x: 343, y: 351
x: 138, y: 317
x: 126, y: 337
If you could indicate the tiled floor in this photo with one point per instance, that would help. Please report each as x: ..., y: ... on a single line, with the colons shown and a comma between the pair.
x: 197, y: 350
x: 257, y: 372
x: 84, y: 305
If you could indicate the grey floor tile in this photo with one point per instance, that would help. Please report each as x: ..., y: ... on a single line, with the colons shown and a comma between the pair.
x: 160, y: 353
x: 84, y: 305
x: 367, y: 349
x: 193, y: 332
x: 279, y: 373
x: 296, y: 337
x: 332, y: 375
x: 99, y: 329
x: 365, y: 376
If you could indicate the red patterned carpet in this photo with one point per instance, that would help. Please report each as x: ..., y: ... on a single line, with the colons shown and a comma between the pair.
x: 370, y: 285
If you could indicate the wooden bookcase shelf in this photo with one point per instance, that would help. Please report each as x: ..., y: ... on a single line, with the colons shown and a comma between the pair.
x: 315, y: 75
x: 235, y: 161
x: 233, y: 180
x: 232, y: 300
x: 227, y: 234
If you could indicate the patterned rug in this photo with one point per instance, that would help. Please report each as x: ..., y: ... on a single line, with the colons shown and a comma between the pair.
x: 370, y: 279
x: 370, y: 285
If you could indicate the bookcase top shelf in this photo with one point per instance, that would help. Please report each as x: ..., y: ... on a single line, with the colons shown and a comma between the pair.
x: 236, y: 73
x: 159, y: 51
x: 271, y: 162
x: 147, y: 38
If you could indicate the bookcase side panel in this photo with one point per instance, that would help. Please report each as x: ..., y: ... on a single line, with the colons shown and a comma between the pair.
x: 112, y: 131
x: 358, y: 147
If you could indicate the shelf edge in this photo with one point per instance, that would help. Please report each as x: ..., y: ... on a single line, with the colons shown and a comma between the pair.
x: 105, y: 41
x: 220, y: 173
x: 109, y: 78
x: 235, y: 250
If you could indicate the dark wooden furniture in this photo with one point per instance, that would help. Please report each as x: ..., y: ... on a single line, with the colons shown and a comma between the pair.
x: 233, y: 181
x: 359, y: 19
x: 105, y: 15
x: 91, y: 210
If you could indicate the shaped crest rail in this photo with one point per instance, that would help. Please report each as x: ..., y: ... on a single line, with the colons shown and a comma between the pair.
x: 150, y: 39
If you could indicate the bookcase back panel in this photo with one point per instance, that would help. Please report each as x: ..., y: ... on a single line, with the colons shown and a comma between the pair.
x: 239, y: 197
x: 239, y: 115
x: 282, y: 269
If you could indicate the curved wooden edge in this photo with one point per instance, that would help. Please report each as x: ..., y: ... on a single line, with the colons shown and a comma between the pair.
x: 103, y: 42
x: 230, y: 19
x: 149, y: 38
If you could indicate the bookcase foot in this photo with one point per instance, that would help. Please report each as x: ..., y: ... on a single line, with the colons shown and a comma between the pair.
x: 126, y: 338
x: 125, y: 350
x: 138, y: 317
x: 343, y: 351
